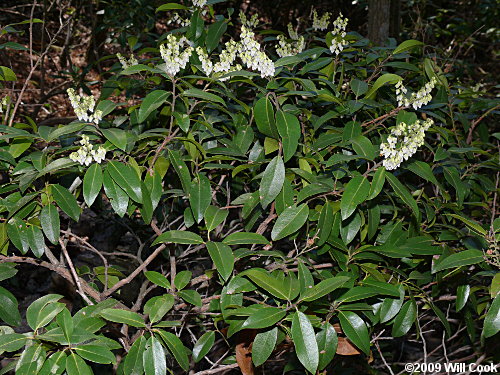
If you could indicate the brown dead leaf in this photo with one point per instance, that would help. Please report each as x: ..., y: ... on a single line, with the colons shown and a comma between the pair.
x: 244, y: 351
x: 345, y: 347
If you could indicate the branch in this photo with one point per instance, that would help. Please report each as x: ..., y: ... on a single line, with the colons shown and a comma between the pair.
x: 217, y: 370
x: 137, y: 271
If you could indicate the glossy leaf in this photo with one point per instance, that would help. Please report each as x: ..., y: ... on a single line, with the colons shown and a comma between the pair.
x: 92, y: 183
x: 66, y: 201
x: 355, y: 193
x: 123, y: 316
x: 223, y: 258
x: 405, y: 319
x: 304, y: 341
x: 355, y: 329
x: 263, y: 346
x: 289, y: 130
x: 51, y: 225
x: 290, y: 221
x: 200, y: 196
x: 272, y: 181
x: 327, y: 345
x: 151, y: 102
x: 180, y: 237
x: 203, y: 346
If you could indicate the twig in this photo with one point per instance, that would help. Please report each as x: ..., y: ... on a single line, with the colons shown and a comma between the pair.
x: 477, y: 121
x: 383, y: 358
x: 137, y: 271
x: 217, y: 370
x: 73, y: 272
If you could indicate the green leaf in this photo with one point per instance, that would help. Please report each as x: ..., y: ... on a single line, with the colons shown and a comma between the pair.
x: 223, y: 258
x: 116, y: 136
x: 151, y: 102
x: 452, y: 175
x: 377, y: 183
x: 214, y: 216
x: 11, y: 342
x: 272, y: 285
x: 358, y: 87
x: 66, y: 129
x: 65, y: 321
x: 55, y: 364
x: 403, y: 193
x: 200, y: 94
x: 462, y: 258
x: 492, y: 319
x: 9, y: 311
x: 181, y: 169
x: 66, y: 201
x: 51, y: 225
x: 405, y: 319
x: 123, y: 316
x: 171, y: 6
x: 154, y: 360
x: 290, y: 221
x: 214, y: 33
x: 304, y: 341
x: 17, y: 233
x: 263, y: 318
x: 382, y: 80
x: 355, y: 193
x: 324, y: 287
x: 203, y: 346
x: 272, y: 181
x: 200, y: 196
x: 7, y: 74
x: 463, y: 292
x: 182, y: 279
x: 406, y: 45
x: 245, y: 238
x: 157, y: 307
x: 31, y: 360
x: 133, y: 364
x: 127, y: 178
x: 92, y: 183
x: 147, y: 204
x: 192, y: 297
x: 325, y: 223
x: 473, y: 225
x: 355, y: 329
x: 363, y: 147
x: 264, y: 117
x: 180, y: 237
x: 158, y: 279
x: 263, y: 346
x: 289, y: 129
x: 34, y: 312
x: 117, y: 196
x: 36, y: 240
x: 95, y: 353
x: 176, y: 347
x: 75, y: 365
x: 327, y: 345
x: 7, y: 270
x: 423, y: 170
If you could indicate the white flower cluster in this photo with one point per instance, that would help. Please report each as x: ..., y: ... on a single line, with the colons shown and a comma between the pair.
x: 403, y: 142
x: 4, y: 103
x: 175, y: 60
x: 338, y: 32
x: 87, y: 153
x: 84, y: 107
x: 178, y: 20
x: 225, y: 63
x: 252, y: 56
x: 418, y: 99
x: 127, y: 63
x: 199, y: 3
x: 249, y: 22
x: 290, y: 48
x: 320, y: 23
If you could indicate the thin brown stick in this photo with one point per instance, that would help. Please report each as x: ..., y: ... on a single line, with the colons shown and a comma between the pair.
x: 217, y: 370
x: 137, y: 271
x: 477, y: 121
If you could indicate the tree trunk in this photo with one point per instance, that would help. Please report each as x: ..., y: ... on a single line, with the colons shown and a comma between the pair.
x: 379, y: 17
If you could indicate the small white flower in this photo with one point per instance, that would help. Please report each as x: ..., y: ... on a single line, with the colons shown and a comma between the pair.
x: 320, y: 23
x: 338, y: 33
x: 416, y: 100
x: 199, y: 3
x: 403, y: 142
x: 175, y: 60
x: 127, y: 63
x: 86, y: 153
x: 252, y: 56
x: 251, y: 22
x: 84, y: 107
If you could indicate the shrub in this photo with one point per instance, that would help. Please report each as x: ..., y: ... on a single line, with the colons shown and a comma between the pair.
x: 320, y: 198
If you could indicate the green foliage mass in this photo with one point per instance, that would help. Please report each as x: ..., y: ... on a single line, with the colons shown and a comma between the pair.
x: 276, y: 185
